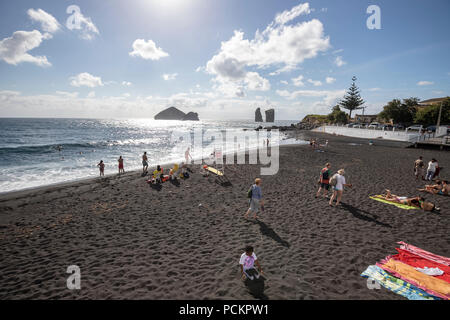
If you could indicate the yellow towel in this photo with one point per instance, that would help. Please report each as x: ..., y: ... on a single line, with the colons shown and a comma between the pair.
x: 398, y: 205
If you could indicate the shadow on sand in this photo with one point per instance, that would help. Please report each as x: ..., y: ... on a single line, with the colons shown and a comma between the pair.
x: 156, y: 186
x: 269, y: 232
x: 364, y: 215
x: 256, y: 288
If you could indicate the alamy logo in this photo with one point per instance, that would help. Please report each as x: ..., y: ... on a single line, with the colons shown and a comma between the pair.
x: 373, y: 284
x: 374, y: 21
x: 74, y: 21
x: 74, y: 280
x: 262, y: 147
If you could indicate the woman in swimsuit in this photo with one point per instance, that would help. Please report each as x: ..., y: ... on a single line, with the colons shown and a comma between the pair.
x: 441, y: 188
x: 417, y: 202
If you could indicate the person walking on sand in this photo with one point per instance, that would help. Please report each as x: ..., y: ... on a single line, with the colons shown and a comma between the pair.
x: 418, y: 168
x: 432, y: 165
x: 144, y: 162
x: 324, y: 180
x: 256, y: 199
x: 101, y: 166
x: 339, y: 185
x: 247, y: 263
x: 121, y: 170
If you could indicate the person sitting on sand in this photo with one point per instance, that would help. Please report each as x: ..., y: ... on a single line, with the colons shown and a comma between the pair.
x: 324, y: 180
x: 338, y: 189
x: 256, y: 199
x: 144, y: 162
x: 158, y: 174
x: 418, y: 202
x: 121, y: 170
x: 101, y: 166
x: 183, y: 171
x: 174, y: 172
x: 204, y: 172
x: 247, y: 263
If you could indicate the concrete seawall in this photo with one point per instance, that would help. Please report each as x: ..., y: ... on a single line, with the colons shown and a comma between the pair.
x: 370, y: 133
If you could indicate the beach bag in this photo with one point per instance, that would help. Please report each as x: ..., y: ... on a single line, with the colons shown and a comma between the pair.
x: 250, y: 192
x: 333, y: 180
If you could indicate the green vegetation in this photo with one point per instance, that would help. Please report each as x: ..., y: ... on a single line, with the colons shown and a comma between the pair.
x: 338, y: 116
x: 352, y: 100
x: 429, y: 115
x: 409, y: 111
x: 400, y: 112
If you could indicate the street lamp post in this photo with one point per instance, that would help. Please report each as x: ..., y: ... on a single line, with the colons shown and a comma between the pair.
x: 439, y: 120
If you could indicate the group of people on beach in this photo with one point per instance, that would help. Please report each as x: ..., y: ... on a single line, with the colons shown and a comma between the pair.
x: 314, y: 144
x: 337, y: 182
x: 433, y: 169
x: 101, y: 166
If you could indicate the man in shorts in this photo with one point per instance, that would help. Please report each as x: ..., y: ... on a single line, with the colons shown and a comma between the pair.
x: 324, y: 180
x: 419, y: 168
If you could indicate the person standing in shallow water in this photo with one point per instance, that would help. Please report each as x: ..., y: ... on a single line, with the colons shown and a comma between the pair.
x: 144, y: 162
x: 121, y: 169
x: 101, y: 166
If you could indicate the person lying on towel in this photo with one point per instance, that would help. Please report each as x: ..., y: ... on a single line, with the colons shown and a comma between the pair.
x: 418, y: 202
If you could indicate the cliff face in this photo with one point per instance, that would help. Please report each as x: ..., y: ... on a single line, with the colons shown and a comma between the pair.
x: 258, y: 116
x: 191, y: 116
x: 173, y: 113
x: 270, y: 115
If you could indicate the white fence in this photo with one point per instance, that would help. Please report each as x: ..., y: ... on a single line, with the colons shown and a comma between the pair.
x: 372, y: 133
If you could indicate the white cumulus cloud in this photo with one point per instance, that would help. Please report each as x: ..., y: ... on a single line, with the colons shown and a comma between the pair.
x: 86, y: 80
x: 147, y: 50
x: 298, y: 82
x: 288, y: 15
x: 425, y: 83
x: 280, y: 45
x: 339, y: 61
x: 169, y: 76
x: 14, y: 50
x: 47, y: 21
x: 330, y: 80
x: 316, y: 83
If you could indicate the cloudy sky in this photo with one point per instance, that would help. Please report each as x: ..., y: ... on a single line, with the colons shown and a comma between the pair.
x: 222, y: 59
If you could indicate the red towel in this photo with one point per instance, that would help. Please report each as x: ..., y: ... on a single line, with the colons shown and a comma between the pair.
x: 416, y: 261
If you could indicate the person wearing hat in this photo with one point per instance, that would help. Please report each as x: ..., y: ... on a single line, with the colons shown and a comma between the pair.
x: 338, y: 189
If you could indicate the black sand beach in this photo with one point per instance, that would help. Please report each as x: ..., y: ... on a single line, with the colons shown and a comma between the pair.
x: 184, y: 242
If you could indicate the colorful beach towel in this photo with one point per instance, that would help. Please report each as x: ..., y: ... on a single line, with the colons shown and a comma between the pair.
x: 396, y: 285
x: 424, y: 254
x: 398, y: 205
x: 433, y: 286
x: 417, y: 261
